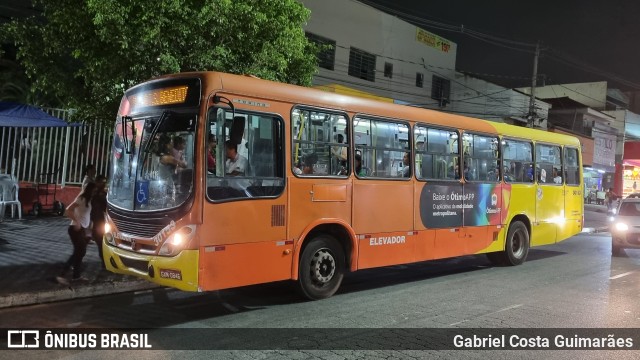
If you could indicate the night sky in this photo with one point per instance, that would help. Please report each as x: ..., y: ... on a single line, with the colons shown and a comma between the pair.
x: 604, y: 35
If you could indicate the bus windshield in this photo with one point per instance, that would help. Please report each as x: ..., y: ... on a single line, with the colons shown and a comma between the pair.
x: 164, y: 146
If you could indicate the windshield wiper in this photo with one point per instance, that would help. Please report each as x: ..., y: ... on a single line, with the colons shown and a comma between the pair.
x: 149, y: 140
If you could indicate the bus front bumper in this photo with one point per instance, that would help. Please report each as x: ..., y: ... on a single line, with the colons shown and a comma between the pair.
x: 180, y: 271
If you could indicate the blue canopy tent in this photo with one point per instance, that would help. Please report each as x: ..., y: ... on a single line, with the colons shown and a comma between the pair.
x: 20, y: 115
x: 18, y: 124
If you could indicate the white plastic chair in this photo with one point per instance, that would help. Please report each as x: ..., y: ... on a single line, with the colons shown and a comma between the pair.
x: 10, y: 198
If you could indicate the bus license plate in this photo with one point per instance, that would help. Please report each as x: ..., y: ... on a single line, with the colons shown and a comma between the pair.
x: 171, y: 274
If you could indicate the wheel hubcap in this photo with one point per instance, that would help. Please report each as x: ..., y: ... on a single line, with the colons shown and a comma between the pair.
x: 517, y: 244
x: 323, y: 267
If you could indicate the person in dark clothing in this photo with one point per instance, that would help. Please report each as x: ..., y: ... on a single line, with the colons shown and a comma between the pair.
x: 80, y: 214
x: 98, y: 211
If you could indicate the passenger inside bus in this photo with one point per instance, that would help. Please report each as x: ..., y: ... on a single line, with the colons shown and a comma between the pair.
x: 168, y: 163
x: 236, y: 164
x: 360, y: 170
x: 406, y: 161
x: 309, y: 161
x: 468, y: 174
x: 211, y: 154
x: 557, y: 179
x: 530, y: 173
x: 340, y: 155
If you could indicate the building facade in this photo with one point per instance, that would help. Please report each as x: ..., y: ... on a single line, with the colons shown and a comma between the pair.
x: 379, y: 54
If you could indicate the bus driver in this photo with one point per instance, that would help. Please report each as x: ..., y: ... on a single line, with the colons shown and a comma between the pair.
x: 236, y: 164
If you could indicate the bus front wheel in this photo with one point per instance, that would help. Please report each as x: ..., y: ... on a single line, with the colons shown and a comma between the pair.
x: 321, y: 268
x: 516, y: 247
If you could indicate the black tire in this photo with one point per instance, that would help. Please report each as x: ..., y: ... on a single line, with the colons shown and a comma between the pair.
x: 516, y: 247
x: 321, y: 268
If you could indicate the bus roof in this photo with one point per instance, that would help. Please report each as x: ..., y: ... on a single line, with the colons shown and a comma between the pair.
x: 266, y: 89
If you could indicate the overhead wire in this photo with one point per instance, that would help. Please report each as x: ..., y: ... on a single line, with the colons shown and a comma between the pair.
x: 551, y: 53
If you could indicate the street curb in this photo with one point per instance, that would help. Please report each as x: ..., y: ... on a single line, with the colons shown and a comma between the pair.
x: 70, y: 293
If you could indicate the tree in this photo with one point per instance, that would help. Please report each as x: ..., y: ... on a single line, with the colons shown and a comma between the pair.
x: 88, y: 52
x: 16, y: 87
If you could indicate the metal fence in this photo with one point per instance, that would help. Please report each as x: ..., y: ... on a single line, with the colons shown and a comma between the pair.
x: 54, y: 154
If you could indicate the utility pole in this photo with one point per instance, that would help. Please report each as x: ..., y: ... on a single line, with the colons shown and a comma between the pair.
x: 532, y: 102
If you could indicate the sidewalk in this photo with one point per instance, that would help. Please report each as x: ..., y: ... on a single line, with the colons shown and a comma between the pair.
x: 33, y: 250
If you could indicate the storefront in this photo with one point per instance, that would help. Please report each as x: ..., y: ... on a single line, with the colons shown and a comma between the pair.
x: 631, y: 177
x: 630, y: 169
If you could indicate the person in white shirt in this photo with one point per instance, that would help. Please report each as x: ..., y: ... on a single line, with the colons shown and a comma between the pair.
x: 80, y: 214
x: 236, y: 164
x: 557, y: 179
x: 340, y: 154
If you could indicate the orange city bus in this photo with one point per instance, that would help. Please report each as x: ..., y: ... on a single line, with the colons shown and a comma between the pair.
x: 220, y: 181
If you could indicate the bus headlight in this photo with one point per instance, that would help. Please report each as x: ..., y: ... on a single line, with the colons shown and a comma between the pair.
x: 177, y: 241
x: 108, y: 236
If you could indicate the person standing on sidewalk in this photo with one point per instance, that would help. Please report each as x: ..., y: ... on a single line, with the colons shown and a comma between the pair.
x: 610, y: 197
x: 80, y: 214
x: 98, y: 212
x: 88, y: 175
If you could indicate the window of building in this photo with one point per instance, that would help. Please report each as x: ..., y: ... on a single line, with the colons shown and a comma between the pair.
x: 327, y: 55
x: 517, y: 161
x: 382, y: 147
x: 320, y: 143
x: 362, y: 64
x: 481, y: 159
x: 571, y: 166
x: 437, y: 153
x: 419, y: 80
x: 548, y: 164
x: 388, y: 70
x: 440, y: 89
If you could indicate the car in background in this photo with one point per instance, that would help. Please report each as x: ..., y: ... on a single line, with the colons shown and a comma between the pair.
x: 625, y: 227
x: 633, y: 195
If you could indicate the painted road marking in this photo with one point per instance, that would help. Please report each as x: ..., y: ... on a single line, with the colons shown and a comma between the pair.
x: 621, y: 275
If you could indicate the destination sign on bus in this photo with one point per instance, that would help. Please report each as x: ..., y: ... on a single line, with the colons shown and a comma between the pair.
x: 157, y: 97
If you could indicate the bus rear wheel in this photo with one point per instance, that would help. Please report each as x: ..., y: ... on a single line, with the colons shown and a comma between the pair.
x: 321, y: 268
x: 516, y: 246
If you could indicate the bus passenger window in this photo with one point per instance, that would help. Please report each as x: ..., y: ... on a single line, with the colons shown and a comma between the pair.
x: 517, y: 158
x: 548, y: 164
x: 320, y: 143
x: 481, y: 158
x: 572, y: 167
x: 384, y: 145
x: 436, y: 153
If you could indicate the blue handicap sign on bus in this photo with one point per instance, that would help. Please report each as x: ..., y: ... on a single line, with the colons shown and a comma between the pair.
x: 142, y: 192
